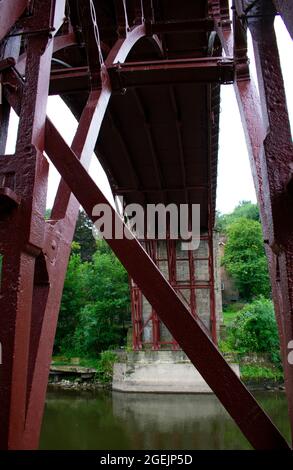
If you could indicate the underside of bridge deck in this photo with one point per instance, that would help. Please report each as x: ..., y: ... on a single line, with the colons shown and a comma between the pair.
x: 143, y: 79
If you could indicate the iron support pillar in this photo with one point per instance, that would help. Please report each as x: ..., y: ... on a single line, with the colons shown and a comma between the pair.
x: 267, y: 130
x: 276, y: 158
x: 23, y: 180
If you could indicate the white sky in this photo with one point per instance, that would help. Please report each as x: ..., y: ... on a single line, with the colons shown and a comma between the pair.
x: 234, y: 176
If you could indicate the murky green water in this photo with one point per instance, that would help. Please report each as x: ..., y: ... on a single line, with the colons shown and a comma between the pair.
x: 147, y: 421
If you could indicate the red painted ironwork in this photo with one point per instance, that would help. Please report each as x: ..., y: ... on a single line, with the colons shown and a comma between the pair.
x: 136, y: 312
x: 42, y: 271
x: 35, y: 252
x: 10, y: 12
x: 214, y: 69
x: 26, y: 174
x: 277, y: 155
x: 266, y: 124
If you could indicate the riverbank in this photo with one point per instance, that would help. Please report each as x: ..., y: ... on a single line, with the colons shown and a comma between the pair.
x: 63, y: 384
x: 93, y: 375
x: 74, y: 373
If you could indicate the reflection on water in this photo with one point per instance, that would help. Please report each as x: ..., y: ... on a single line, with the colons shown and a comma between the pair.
x: 113, y: 420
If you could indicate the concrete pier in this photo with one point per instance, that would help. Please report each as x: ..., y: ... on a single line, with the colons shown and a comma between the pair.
x: 160, y: 372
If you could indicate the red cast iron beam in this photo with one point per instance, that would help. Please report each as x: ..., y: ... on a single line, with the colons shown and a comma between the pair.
x: 213, y: 317
x: 171, y: 71
x: 188, y: 332
x: 159, y: 190
x: 118, y: 53
x: 269, y: 146
x: 187, y: 26
x: 10, y: 12
x: 277, y: 161
x: 57, y: 247
x: 22, y: 231
x: 69, y: 80
x: 63, y: 41
x: 7, y: 63
x: 74, y: 80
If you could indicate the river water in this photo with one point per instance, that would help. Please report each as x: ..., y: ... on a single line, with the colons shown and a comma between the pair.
x: 121, y: 421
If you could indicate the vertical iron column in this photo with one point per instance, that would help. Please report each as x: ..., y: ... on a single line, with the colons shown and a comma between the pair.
x: 267, y: 131
x: 23, y: 203
x: 276, y: 159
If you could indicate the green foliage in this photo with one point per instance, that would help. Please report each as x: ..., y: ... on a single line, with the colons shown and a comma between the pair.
x: 84, y: 237
x: 258, y: 373
x: 231, y: 311
x: 245, y: 209
x: 105, y: 366
x: 245, y: 259
x: 73, y: 299
x: 225, y: 346
x: 102, y: 247
x: 103, y: 363
x: 95, y: 305
x: 255, y: 330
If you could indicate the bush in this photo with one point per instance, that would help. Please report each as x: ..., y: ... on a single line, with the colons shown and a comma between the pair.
x: 105, y: 366
x: 260, y: 373
x: 255, y: 330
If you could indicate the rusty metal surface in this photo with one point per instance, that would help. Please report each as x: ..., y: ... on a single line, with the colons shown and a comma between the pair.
x: 277, y: 165
x: 171, y: 157
x: 10, y: 12
x: 267, y: 130
x: 21, y: 234
x: 161, y: 72
x: 152, y: 177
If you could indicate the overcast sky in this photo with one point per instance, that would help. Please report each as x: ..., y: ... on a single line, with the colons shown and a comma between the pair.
x: 234, y: 176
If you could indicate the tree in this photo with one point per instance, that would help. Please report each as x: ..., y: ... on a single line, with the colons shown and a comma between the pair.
x: 95, y: 304
x: 245, y: 258
x: 102, y: 320
x: 83, y: 235
x: 73, y: 299
x: 245, y: 209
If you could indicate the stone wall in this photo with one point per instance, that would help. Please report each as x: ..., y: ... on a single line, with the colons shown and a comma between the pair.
x: 190, y: 275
